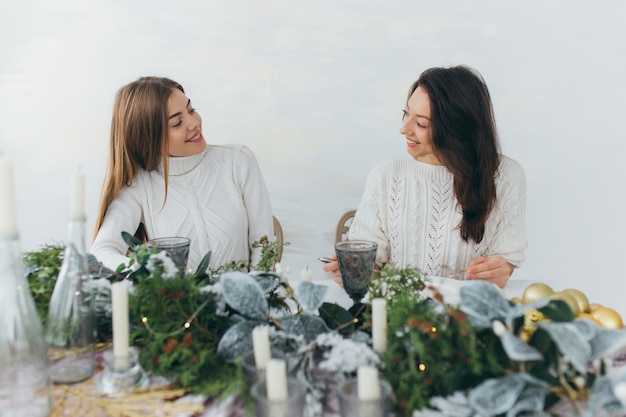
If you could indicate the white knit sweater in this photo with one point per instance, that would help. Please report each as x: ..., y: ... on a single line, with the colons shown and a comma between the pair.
x: 410, y: 210
x: 217, y: 198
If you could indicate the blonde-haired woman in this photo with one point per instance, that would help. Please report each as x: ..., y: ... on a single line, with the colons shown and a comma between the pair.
x: 163, y: 178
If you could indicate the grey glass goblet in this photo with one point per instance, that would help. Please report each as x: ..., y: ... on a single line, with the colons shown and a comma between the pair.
x: 177, y: 248
x: 356, y: 264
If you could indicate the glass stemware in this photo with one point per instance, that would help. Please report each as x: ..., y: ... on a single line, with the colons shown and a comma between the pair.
x: 356, y: 264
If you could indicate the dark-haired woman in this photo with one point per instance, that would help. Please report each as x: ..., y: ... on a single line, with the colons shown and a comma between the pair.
x: 458, y: 204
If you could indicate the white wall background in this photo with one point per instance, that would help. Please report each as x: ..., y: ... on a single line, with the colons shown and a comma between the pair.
x: 315, y: 89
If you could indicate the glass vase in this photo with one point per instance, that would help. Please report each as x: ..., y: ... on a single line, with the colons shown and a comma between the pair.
x: 70, y: 327
x: 24, y: 379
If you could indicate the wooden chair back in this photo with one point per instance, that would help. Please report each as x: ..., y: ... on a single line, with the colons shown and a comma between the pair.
x: 343, y: 226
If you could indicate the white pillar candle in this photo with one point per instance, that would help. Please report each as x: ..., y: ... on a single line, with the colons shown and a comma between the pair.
x: 278, y: 268
x: 77, y: 195
x: 306, y: 275
x: 8, y: 222
x: 261, y: 347
x: 119, y: 304
x: 276, y: 380
x: 368, y: 386
x: 379, y: 325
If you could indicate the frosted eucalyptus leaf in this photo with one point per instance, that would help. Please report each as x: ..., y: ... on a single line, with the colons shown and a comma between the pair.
x: 587, y: 328
x: 237, y: 340
x: 454, y: 405
x: 519, y: 351
x: 483, y: 302
x: 244, y: 294
x: 307, y: 326
x: 570, y: 342
x: 606, y: 342
x: 428, y: 413
x: 601, y: 395
x: 530, y: 400
x: 267, y: 284
x: 310, y: 296
x: 496, y: 396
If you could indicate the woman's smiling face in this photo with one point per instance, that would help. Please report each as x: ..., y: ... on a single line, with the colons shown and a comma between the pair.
x: 416, y: 128
x: 184, y: 126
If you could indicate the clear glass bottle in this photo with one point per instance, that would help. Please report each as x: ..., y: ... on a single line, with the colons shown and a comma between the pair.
x: 71, y: 326
x: 24, y: 379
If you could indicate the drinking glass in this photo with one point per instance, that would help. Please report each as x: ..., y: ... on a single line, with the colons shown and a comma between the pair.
x: 177, y: 248
x: 356, y: 264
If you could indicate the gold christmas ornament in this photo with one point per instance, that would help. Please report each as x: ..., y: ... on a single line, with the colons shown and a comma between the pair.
x: 581, y: 299
x: 608, y: 317
x: 569, y: 299
x: 536, y: 291
x: 517, y: 300
x: 588, y: 316
x: 594, y: 306
x: 533, y: 316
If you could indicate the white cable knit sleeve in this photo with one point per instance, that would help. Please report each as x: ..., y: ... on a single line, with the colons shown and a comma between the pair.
x: 368, y: 221
x: 508, y: 218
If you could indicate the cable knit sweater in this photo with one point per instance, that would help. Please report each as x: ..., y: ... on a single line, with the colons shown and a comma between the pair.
x: 410, y: 210
x: 217, y: 198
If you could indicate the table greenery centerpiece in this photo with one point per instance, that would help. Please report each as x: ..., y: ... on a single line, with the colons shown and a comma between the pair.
x: 484, y: 355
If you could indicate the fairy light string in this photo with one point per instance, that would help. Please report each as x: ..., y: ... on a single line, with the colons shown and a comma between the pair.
x: 185, y: 326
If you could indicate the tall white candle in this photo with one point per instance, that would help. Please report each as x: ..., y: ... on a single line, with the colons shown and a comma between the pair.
x: 379, y: 325
x: 368, y: 386
x: 306, y: 274
x: 278, y: 268
x: 261, y: 346
x: 8, y: 222
x: 119, y: 303
x: 77, y: 195
x: 276, y: 380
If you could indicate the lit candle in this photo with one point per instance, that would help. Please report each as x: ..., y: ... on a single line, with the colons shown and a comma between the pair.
x: 367, y: 383
x: 77, y: 195
x: 379, y: 325
x: 8, y: 223
x: 306, y: 274
x: 261, y: 347
x: 119, y: 304
x: 276, y: 380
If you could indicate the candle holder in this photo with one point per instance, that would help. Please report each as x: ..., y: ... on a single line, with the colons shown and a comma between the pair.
x: 121, y: 375
x: 350, y: 404
x: 293, y: 406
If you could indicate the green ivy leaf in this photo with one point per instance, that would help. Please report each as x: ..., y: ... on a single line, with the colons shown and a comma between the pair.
x: 336, y: 316
x: 204, y: 265
x: 131, y: 240
x: 557, y: 311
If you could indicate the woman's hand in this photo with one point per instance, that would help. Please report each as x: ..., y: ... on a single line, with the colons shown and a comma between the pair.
x: 332, y: 269
x: 494, y: 269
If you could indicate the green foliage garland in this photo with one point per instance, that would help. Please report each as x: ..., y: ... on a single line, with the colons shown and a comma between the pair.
x: 42, y: 269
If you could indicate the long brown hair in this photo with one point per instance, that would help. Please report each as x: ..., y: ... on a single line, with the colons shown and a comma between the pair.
x: 465, y: 139
x: 138, y: 136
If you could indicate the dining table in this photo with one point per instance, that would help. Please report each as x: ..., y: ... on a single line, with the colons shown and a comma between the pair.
x: 83, y: 399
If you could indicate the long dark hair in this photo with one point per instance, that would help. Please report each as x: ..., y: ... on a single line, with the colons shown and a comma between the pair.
x: 465, y: 140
